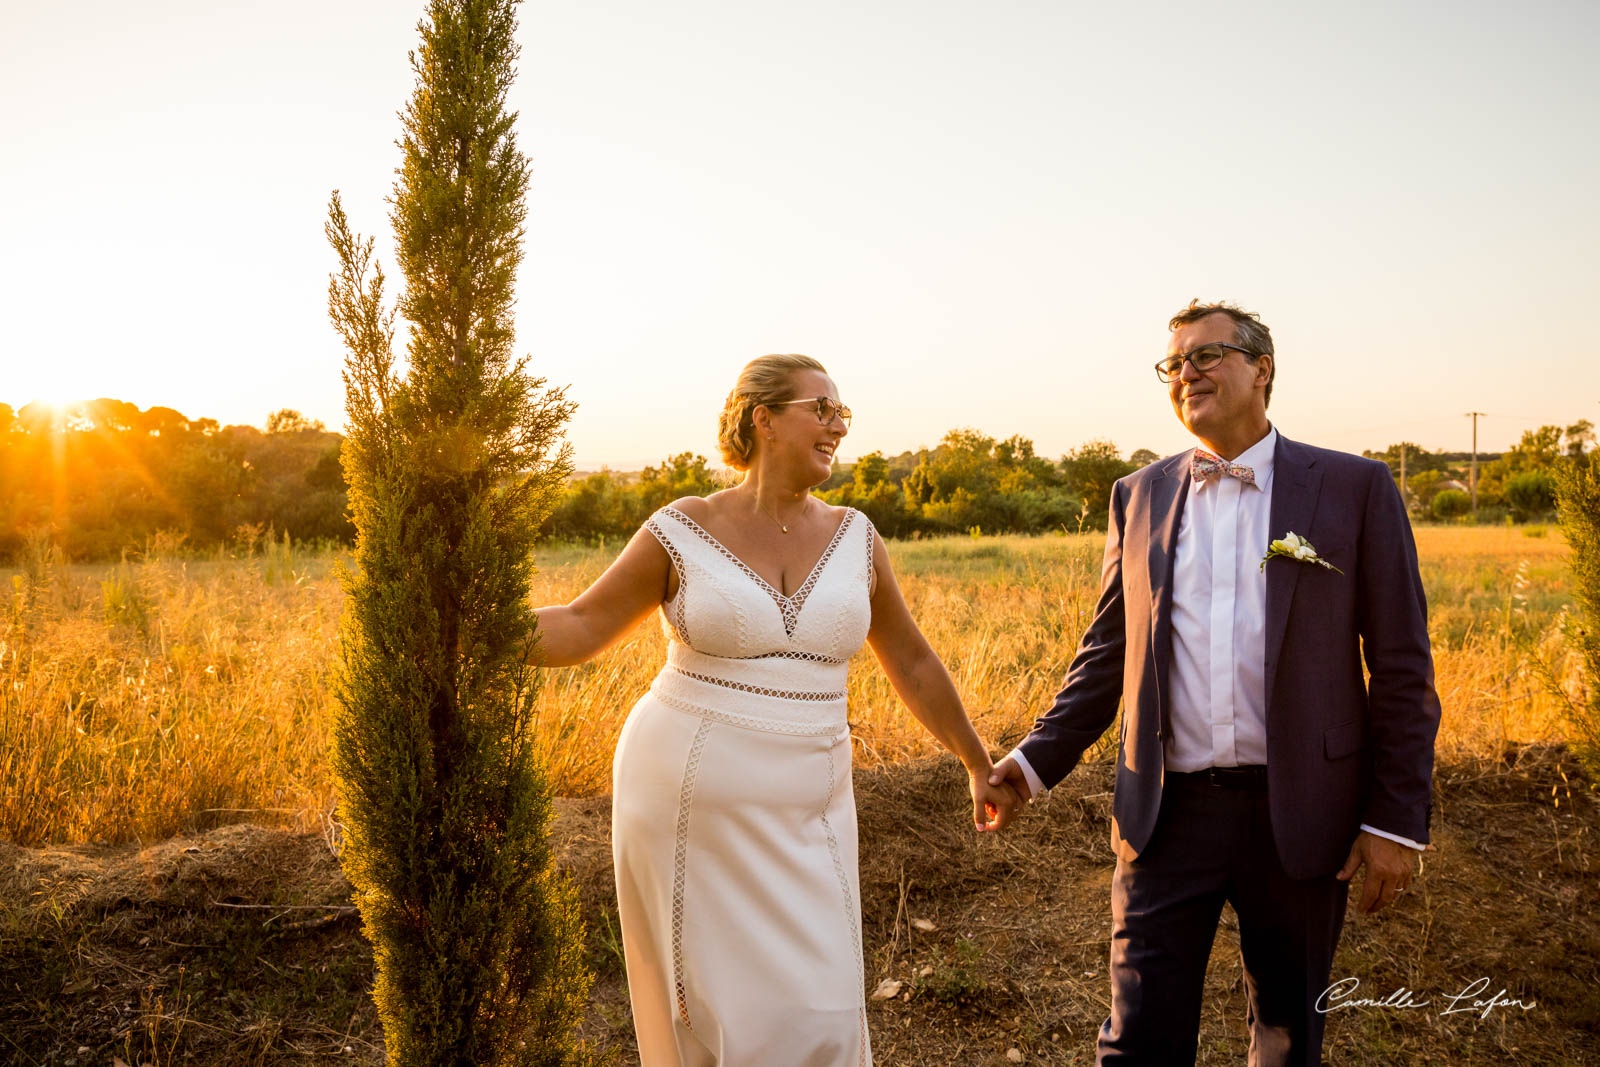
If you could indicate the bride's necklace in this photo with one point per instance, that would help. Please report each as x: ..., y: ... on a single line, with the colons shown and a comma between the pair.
x: 781, y: 524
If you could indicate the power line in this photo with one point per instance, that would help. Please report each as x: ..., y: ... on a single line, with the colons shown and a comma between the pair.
x: 1428, y: 420
x: 1530, y: 418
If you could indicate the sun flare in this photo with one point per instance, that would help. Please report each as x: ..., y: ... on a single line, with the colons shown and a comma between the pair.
x: 55, y: 400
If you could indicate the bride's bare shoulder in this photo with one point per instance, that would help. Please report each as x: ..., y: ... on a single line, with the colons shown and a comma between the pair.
x: 698, y: 508
x: 836, y: 512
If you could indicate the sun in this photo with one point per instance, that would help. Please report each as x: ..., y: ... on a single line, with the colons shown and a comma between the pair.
x: 61, y: 401
x: 54, y: 407
x: 57, y: 410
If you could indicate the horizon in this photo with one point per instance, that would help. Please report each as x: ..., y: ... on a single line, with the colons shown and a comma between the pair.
x: 635, y: 464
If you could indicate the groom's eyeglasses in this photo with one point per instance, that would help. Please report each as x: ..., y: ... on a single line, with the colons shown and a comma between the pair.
x: 825, y: 408
x: 1204, y: 358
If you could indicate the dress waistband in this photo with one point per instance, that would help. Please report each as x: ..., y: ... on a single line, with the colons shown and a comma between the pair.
x: 781, y: 693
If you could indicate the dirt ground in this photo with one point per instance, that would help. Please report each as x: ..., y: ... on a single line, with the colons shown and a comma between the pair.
x: 239, y: 946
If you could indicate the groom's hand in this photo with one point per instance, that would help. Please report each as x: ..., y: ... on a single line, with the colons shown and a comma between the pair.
x: 1006, y: 772
x: 1389, y: 869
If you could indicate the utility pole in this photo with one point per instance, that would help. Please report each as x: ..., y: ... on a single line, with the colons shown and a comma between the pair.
x: 1473, y: 415
x: 1404, y: 495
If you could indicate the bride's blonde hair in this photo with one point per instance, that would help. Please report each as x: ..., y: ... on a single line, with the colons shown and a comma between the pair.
x: 764, y: 380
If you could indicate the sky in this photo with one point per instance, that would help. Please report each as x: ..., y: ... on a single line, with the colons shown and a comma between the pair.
x: 975, y: 214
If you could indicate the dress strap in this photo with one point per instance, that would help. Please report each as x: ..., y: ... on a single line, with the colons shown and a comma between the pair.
x: 673, y: 609
x: 872, y: 539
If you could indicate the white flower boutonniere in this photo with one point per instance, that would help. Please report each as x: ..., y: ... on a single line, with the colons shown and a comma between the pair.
x: 1292, y: 546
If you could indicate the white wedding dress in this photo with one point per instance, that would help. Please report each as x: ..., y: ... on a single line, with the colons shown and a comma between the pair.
x: 733, y: 820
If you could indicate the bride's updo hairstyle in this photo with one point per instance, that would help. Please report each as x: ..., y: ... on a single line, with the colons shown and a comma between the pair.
x: 764, y: 380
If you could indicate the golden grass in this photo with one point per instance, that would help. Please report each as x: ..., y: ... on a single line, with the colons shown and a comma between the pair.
x: 144, y: 699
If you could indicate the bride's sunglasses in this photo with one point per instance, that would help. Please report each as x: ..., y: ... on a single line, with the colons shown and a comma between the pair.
x: 825, y: 407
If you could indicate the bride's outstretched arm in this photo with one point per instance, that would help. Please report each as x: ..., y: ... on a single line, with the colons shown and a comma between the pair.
x: 609, y: 609
x: 920, y: 678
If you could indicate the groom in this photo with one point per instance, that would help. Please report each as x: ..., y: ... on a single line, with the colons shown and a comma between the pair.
x: 1256, y: 765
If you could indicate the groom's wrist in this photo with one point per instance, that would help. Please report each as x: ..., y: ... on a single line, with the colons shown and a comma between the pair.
x: 1035, y: 784
x: 1393, y: 837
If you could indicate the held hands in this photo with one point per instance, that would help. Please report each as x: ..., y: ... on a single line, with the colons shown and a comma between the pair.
x: 1007, y: 771
x: 998, y: 795
x: 1389, y: 869
x: 994, y: 804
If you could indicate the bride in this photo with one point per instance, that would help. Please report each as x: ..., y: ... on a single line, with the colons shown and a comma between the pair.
x: 733, y: 820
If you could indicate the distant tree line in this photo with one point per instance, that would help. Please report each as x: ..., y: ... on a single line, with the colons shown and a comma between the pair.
x: 102, y: 477
x: 1519, y: 484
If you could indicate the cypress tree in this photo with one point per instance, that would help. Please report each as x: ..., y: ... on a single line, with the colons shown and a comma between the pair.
x: 452, y: 463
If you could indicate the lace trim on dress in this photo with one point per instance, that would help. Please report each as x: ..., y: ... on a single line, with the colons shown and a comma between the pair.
x: 788, y: 606
x: 871, y: 562
x: 751, y: 722
x: 849, y: 906
x: 680, y: 858
x: 812, y: 657
x: 792, y: 616
x: 760, y: 690
x: 674, y: 607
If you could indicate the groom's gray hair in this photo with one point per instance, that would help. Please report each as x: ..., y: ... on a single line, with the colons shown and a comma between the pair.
x: 1249, y: 332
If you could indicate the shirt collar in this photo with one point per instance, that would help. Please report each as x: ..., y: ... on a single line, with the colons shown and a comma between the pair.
x: 1258, y: 457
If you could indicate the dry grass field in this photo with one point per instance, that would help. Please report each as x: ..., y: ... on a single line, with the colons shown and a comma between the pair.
x: 169, y: 695
x: 168, y: 892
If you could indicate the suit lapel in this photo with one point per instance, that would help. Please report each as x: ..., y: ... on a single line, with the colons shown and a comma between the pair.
x: 1167, y: 496
x: 1295, y: 483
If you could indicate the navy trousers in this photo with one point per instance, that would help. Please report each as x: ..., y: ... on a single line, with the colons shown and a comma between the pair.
x: 1213, y: 844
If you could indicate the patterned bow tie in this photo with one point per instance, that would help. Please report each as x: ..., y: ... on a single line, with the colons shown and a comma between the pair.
x: 1205, y: 467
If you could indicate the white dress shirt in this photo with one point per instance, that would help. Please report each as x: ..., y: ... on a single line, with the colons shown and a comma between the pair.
x: 1219, y: 619
x: 1217, y: 673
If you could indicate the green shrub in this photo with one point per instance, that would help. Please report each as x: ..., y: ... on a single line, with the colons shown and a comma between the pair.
x: 1450, y: 503
x: 1578, y: 496
x: 955, y: 978
x: 1531, y: 494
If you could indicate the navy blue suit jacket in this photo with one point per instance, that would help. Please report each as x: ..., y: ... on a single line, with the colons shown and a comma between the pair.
x: 1340, y: 751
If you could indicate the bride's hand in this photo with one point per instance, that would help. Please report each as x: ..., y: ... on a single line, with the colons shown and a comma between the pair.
x: 993, y: 806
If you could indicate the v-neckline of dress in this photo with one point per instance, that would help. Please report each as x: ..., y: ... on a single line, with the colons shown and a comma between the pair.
x: 788, y: 605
